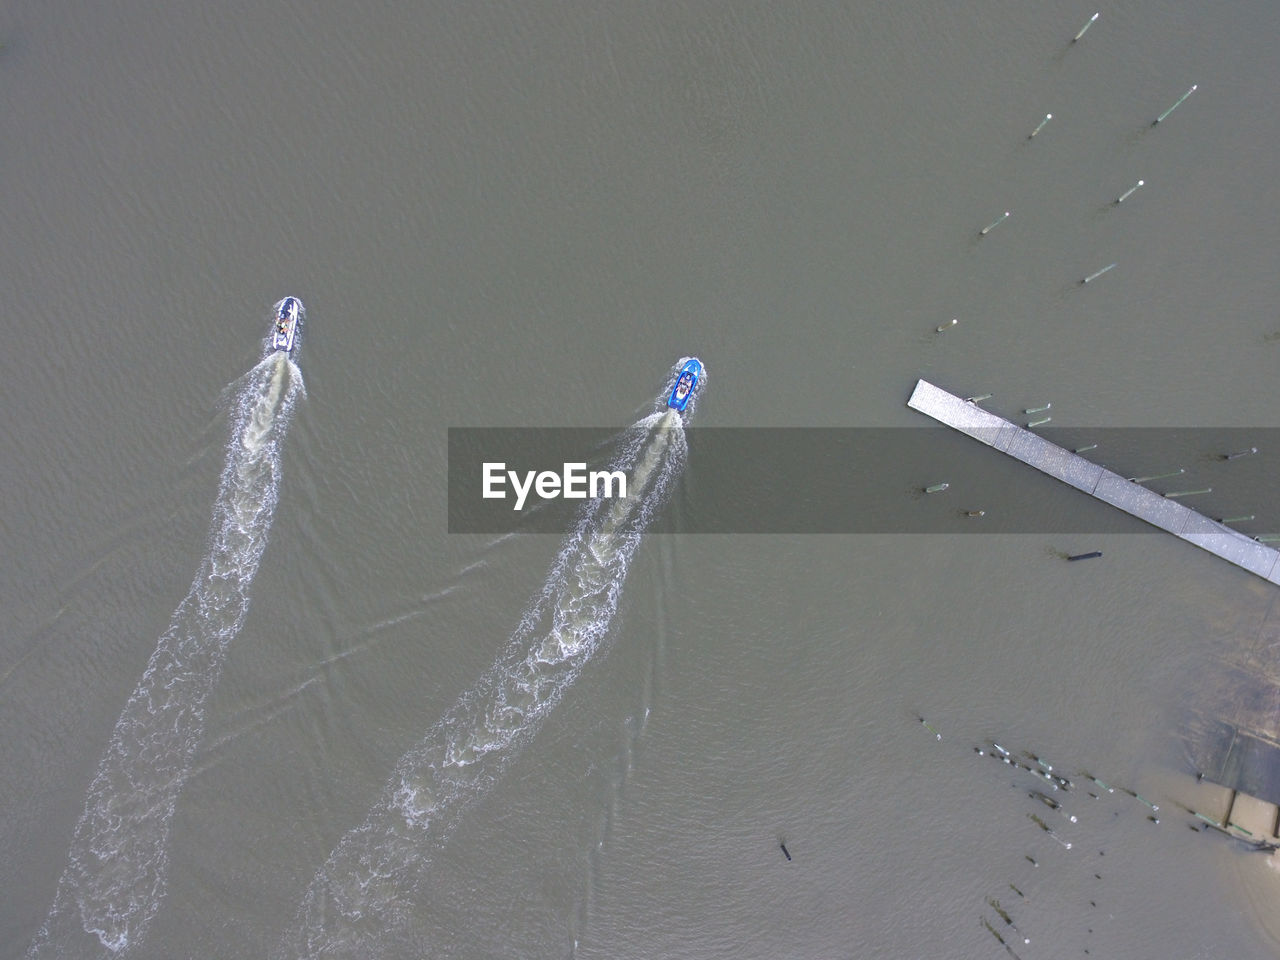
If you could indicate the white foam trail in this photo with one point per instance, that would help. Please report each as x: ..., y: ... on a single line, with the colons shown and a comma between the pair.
x: 361, y: 901
x: 117, y: 871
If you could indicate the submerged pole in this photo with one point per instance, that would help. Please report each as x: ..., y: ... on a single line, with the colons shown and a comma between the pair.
x: 995, y: 223
x: 1085, y: 27
x: 1176, y: 105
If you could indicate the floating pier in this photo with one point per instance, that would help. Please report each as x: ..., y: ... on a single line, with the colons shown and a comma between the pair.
x: 1097, y: 481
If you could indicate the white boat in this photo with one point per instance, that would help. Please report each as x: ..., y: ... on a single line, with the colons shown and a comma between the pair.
x: 285, y: 330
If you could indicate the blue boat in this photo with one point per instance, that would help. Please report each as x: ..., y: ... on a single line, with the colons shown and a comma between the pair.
x: 685, y: 385
x: 286, y: 326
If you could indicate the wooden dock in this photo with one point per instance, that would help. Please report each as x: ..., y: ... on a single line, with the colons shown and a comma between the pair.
x: 1097, y: 481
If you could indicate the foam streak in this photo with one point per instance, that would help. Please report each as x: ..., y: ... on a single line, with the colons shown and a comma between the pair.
x: 361, y: 902
x: 117, y: 872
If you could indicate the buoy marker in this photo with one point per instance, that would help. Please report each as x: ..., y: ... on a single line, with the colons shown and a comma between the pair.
x: 1176, y: 105
x: 1085, y: 27
x: 1128, y: 193
x: 993, y: 224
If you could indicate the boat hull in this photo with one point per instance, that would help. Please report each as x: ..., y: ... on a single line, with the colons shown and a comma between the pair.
x: 685, y: 386
x: 285, y: 330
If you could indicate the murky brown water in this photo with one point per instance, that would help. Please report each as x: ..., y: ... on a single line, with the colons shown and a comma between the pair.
x: 523, y: 215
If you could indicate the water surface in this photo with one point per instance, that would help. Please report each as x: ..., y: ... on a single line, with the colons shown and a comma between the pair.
x: 518, y: 215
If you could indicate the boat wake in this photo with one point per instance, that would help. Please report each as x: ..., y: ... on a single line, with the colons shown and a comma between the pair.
x: 361, y: 902
x: 117, y: 871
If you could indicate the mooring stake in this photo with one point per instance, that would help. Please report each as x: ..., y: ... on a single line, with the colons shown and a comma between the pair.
x: 1085, y: 27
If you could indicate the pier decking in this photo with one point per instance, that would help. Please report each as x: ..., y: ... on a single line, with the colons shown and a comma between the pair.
x: 1097, y: 481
